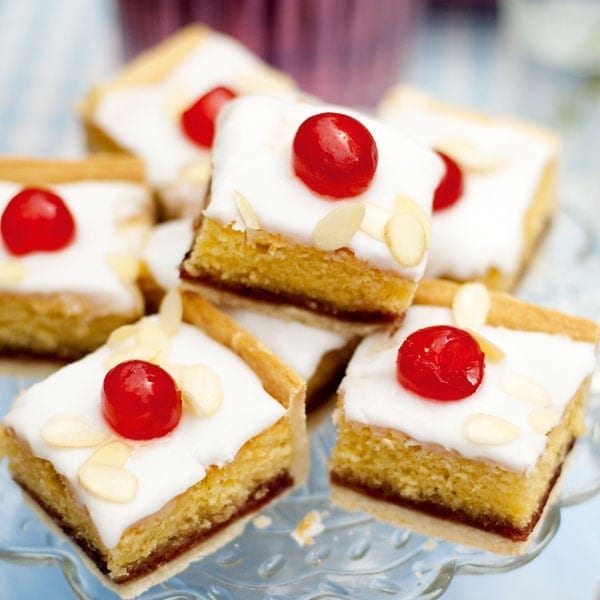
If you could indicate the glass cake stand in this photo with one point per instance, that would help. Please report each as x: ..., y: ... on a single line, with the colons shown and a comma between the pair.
x: 355, y: 557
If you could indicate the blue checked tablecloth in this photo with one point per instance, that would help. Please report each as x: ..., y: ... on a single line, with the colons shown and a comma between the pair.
x: 51, y: 51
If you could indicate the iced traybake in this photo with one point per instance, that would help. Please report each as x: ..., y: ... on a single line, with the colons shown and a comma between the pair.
x: 317, y: 355
x: 154, y: 450
x: 70, y: 237
x: 316, y: 213
x: 498, y: 193
x: 458, y: 423
x: 162, y: 108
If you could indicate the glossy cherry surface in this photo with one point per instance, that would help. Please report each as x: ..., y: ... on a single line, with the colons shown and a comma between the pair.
x: 335, y: 155
x: 450, y: 188
x: 440, y: 363
x: 36, y: 220
x: 198, y: 121
x: 140, y: 400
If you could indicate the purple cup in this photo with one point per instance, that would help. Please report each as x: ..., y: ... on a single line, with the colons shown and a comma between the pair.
x: 346, y: 51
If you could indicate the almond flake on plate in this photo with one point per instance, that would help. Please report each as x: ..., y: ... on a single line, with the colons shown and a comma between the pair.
x: 70, y: 432
x: 247, y: 213
x: 488, y: 430
x: 337, y: 228
x: 522, y: 387
x: 308, y: 528
x: 406, y: 239
x: 471, y: 305
x: 113, y: 484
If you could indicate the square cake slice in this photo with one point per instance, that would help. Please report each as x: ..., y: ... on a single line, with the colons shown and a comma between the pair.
x: 70, y: 238
x: 155, y: 450
x: 458, y: 423
x: 319, y: 356
x: 140, y: 110
x: 498, y: 194
x: 340, y: 243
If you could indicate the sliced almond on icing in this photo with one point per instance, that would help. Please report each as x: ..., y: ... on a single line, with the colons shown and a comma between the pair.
x: 469, y: 156
x: 70, y: 432
x: 125, y: 265
x: 374, y: 221
x: 471, y: 306
x: 197, y: 172
x: 201, y: 389
x: 177, y: 100
x: 406, y: 239
x: 171, y: 312
x: 491, y: 351
x: 113, y: 484
x: 12, y: 271
x: 544, y: 419
x: 524, y: 388
x: 174, y: 371
x: 120, y: 335
x: 134, y: 234
x: 337, y: 228
x: 114, y: 454
x: 488, y: 430
x: 247, y: 213
x: 135, y: 352
x: 405, y: 204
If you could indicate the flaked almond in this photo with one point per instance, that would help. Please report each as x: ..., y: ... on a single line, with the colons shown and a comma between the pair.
x: 488, y: 430
x: 374, y: 221
x: 337, y: 228
x: 120, y: 335
x: 125, y: 265
x: 113, y: 484
x: 197, y: 172
x: 152, y: 335
x: 262, y: 81
x: 491, y: 351
x: 406, y: 239
x: 524, y: 388
x: 544, y: 419
x: 113, y: 453
x: 246, y: 212
x: 201, y: 389
x: 175, y: 371
x: 70, y: 432
x: 177, y: 100
x: 134, y: 234
x: 135, y: 352
x: 405, y: 204
x: 469, y: 156
x: 171, y: 312
x: 11, y: 271
x: 471, y: 306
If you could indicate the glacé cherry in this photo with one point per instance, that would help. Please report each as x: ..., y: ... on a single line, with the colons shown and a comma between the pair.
x: 451, y: 187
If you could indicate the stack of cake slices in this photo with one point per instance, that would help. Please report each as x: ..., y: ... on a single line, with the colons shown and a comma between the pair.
x: 298, y: 239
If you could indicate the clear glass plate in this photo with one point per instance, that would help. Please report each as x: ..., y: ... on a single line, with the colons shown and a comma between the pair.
x: 355, y: 557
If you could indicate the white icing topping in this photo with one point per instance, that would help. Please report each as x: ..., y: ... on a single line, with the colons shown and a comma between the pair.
x: 83, y: 266
x: 484, y: 229
x: 372, y: 395
x: 165, y: 467
x: 298, y: 345
x: 252, y: 154
x: 140, y: 120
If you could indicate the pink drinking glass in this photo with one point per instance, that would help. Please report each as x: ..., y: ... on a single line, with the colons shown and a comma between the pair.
x: 346, y: 51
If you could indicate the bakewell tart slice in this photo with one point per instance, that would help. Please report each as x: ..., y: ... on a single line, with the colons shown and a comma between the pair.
x: 498, y: 193
x: 458, y: 423
x: 163, y: 105
x: 316, y: 213
x: 157, y: 448
x: 319, y: 356
x: 70, y: 236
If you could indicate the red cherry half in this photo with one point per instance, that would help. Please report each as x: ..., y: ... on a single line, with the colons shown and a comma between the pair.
x: 334, y: 155
x: 140, y: 400
x: 198, y: 121
x: 440, y: 363
x: 450, y: 188
x: 36, y: 220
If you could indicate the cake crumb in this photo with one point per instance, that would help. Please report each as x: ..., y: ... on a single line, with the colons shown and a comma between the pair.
x: 262, y: 522
x: 309, y: 527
